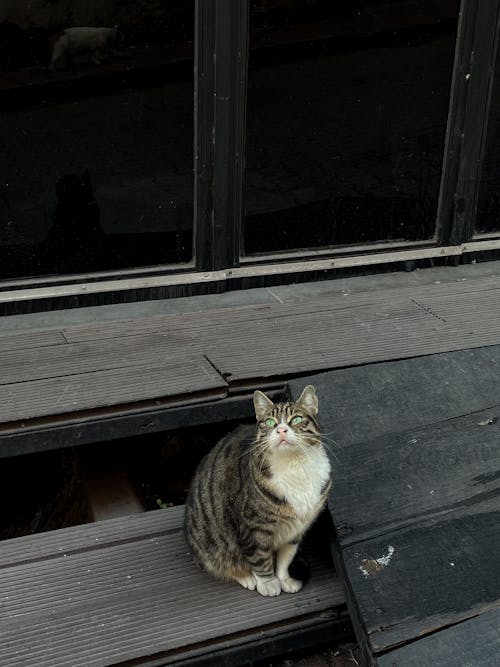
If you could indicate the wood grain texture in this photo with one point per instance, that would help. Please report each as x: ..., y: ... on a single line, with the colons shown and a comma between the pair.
x: 99, y: 389
x: 474, y: 643
x: 416, y: 493
x: 364, y: 402
x: 440, y: 571
x: 381, y: 299
x: 103, y: 604
x: 100, y: 355
x: 26, y: 340
x: 428, y: 471
x: 248, y: 346
x: 377, y: 302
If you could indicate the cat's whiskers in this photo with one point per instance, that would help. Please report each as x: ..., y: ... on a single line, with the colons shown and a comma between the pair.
x: 327, y: 435
x: 332, y: 453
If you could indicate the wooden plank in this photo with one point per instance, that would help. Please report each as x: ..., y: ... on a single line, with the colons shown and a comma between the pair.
x: 383, y: 300
x: 25, y: 340
x: 429, y: 575
x: 75, y: 539
x: 101, y: 389
x: 101, y: 606
x: 415, y: 493
x: 364, y: 402
x: 473, y: 642
x: 49, y: 362
x: 410, y: 484
x: 206, y: 319
x: 319, y: 341
x: 311, y: 343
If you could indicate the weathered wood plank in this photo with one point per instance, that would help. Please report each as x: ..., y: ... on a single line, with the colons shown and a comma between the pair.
x: 364, y: 402
x: 101, y: 389
x: 431, y: 574
x: 50, y: 362
x: 101, y: 606
x: 473, y: 643
x: 415, y: 493
x: 25, y: 340
x: 381, y: 300
x: 316, y: 342
x: 370, y: 306
x: 428, y: 471
x: 99, y: 535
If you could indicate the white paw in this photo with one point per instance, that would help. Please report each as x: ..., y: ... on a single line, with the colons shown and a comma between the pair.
x: 289, y: 585
x: 247, y: 581
x: 269, y: 587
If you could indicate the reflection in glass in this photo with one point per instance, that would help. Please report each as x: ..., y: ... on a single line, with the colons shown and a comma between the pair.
x: 96, y: 103
x: 488, y: 209
x: 346, y: 120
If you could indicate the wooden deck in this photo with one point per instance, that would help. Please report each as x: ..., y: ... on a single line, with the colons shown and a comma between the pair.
x: 126, y: 589
x: 415, y: 502
x: 96, y: 374
x: 408, y: 387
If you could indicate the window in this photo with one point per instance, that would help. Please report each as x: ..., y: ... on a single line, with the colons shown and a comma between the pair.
x: 161, y: 138
x: 347, y: 111
x: 97, y: 136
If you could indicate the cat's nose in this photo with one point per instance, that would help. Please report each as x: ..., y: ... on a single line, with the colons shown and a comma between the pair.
x: 282, y: 429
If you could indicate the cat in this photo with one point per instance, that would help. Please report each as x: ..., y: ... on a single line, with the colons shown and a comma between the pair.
x: 77, y: 213
x: 255, y: 494
x: 82, y: 45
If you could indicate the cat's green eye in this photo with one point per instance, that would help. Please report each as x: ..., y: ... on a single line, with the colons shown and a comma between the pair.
x: 270, y: 423
x: 296, y: 420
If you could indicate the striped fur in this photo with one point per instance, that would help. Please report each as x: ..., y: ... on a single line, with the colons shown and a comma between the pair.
x: 255, y: 494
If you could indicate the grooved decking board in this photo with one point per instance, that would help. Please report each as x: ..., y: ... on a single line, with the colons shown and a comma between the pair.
x: 28, y: 339
x: 318, y: 341
x: 121, y: 386
x: 102, y: 605
x: 247, y: 346
x: 384, y: 301
x: 415, y: 497
x: 374, y: 305
x: 75, y: 539
x: 71, y: 359
x: 321, y: 340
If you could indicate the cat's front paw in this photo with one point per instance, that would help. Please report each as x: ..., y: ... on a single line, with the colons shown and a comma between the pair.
x: 290, y: 585
x: 269, y: 587
x: 247, y: 581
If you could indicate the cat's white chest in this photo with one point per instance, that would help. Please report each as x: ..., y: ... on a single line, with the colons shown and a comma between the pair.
x: 301, y: 480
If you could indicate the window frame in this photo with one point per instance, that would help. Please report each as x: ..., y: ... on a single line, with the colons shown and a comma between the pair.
x: 221, y: 55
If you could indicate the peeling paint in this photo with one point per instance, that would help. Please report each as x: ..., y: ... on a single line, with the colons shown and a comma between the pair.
x: 371, y: 566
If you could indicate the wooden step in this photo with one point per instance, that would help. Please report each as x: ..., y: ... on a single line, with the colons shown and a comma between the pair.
x: 125, y: 591
x: 415, y: 502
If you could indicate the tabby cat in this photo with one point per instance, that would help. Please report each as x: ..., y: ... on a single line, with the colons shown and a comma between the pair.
x: 255, y: 494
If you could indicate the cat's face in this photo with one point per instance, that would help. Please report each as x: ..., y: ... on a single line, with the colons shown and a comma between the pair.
x: 291, y: 426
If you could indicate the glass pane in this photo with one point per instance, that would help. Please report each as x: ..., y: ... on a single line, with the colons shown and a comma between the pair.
x: 96, y: 118
x: 488, y: 210
x: 347, y: 110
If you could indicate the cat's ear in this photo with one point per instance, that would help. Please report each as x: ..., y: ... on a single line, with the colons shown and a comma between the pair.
x: 309, y: 400
x: 262, y: 404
